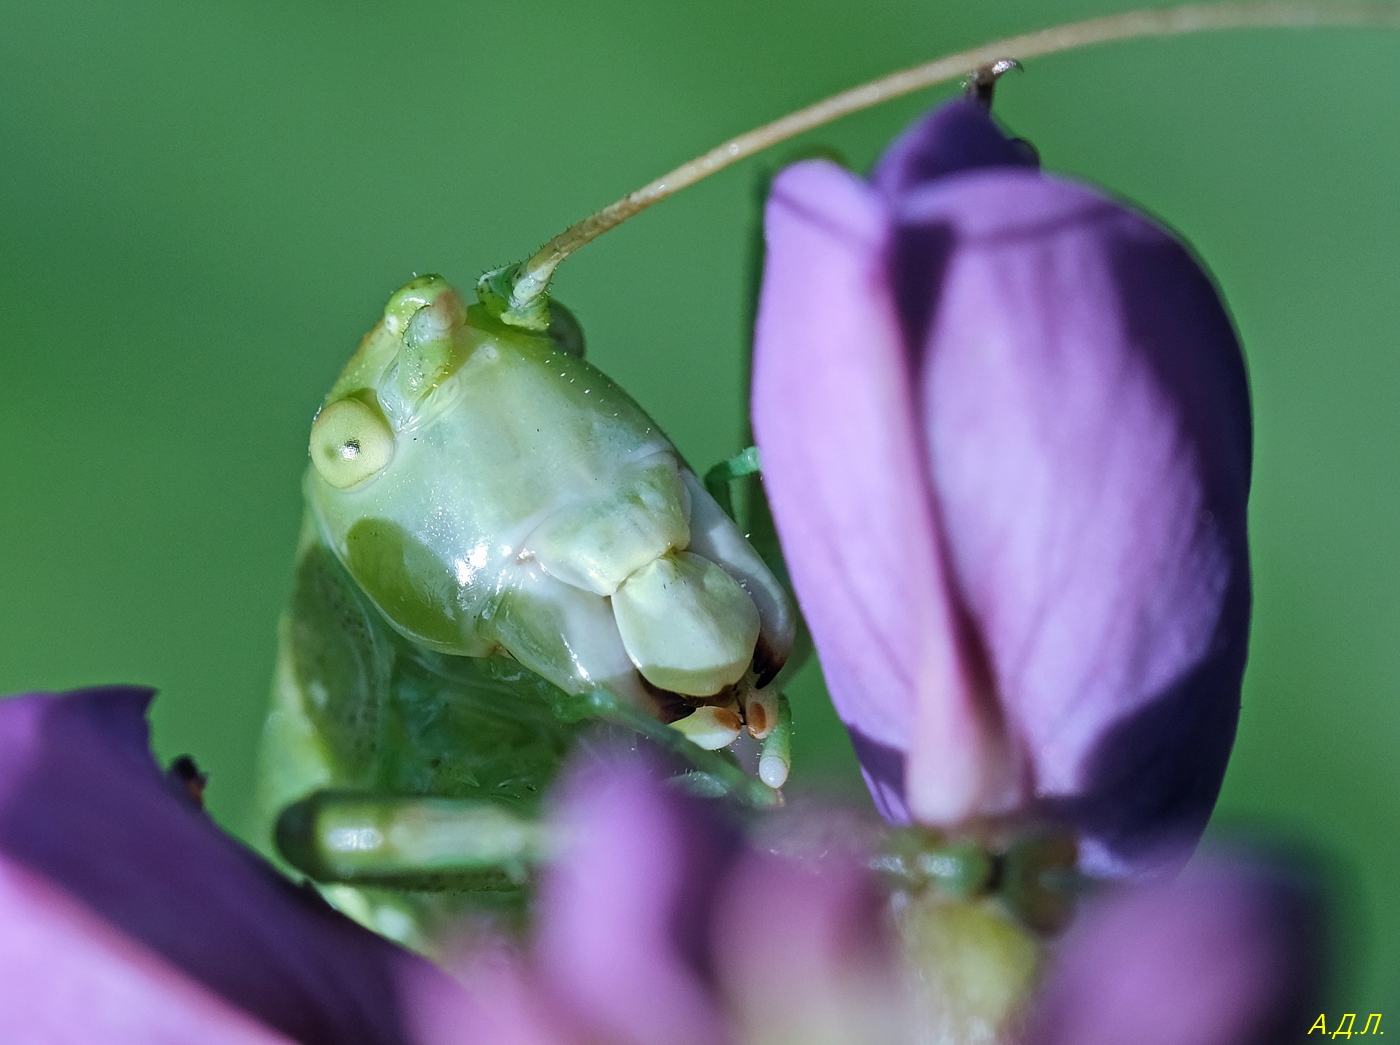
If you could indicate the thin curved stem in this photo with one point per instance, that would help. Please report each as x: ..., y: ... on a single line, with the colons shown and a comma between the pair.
x: 533, y: 276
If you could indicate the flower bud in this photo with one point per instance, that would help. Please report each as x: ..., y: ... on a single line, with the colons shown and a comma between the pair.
x: 1006, y: 436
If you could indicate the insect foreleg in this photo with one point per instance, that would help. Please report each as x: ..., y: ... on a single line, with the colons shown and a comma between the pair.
x: 406, y: 842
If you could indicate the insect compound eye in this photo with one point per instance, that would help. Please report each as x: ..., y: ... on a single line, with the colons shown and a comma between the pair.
x: 350, y: 443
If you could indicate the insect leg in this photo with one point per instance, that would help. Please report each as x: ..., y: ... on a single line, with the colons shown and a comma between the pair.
x: 406, y: 842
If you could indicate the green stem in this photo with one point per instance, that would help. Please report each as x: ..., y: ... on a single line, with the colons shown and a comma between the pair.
x: 718, y: 479
x: 531, y: 279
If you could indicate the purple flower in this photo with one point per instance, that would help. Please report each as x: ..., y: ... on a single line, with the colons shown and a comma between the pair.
x: 127, y: 916
x: 1228, y: 954
x: 1005, y: 431
x: 657, y: 925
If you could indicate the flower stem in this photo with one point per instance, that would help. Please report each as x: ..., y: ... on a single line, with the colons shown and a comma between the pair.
x: 532, y: 278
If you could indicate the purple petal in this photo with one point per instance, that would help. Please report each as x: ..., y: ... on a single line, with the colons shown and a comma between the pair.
x: 1225, y: 955
x: 955, y: 137
x: 804, y: 953
x: 1088, y: 433
x: 1006, y: 433
x: 83, y: 806
x: 622, y: 933
x: 834, y: 419
x: 502, y: 1004
x: 67, y: 977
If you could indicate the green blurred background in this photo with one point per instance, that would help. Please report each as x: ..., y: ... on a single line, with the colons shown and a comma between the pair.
x: 204, y: 204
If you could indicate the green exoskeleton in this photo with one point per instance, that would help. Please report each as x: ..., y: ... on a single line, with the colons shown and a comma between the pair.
x: 501, y: 555
x: 499, y: 545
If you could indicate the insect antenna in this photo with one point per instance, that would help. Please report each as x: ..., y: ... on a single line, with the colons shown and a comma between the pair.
x: 519, y: 292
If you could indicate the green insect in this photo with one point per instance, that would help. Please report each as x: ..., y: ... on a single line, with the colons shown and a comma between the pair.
x: 500, y: 549
x: 502, y: 555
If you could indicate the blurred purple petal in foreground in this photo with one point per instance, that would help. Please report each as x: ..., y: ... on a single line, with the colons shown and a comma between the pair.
x: 127, y: 916
x: 658, y: 926
x: 1228, y: 954
x: 1005, y: 432
x: 70, y: 977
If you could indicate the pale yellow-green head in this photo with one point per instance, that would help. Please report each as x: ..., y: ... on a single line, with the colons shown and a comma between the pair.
x: 491, y: 491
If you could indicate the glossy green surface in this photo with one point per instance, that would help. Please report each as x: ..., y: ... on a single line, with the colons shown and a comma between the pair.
x: 362, y: 715
x: 203, y: 206
x: 497, y: 538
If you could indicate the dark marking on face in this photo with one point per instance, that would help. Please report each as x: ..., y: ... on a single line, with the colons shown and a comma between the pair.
x: 767, y: 662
